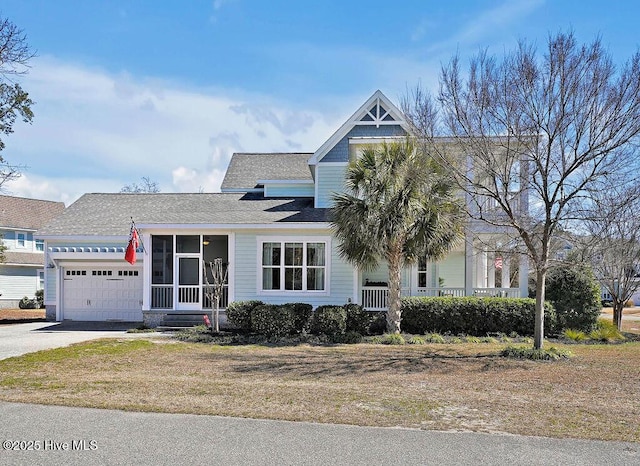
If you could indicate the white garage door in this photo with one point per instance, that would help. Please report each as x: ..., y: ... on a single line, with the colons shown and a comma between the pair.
x: 102, y: 293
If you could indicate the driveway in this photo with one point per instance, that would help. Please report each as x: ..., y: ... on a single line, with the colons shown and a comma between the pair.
x: 18, y: 339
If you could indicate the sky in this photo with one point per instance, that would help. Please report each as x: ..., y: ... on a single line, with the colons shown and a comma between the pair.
x: 170, y: 89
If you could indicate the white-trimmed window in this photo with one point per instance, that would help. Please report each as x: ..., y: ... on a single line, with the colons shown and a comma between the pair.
x: 294, y: 265
x: 21, y: 239
x: 40, y: 245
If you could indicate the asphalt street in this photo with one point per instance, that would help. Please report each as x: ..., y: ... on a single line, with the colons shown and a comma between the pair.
x: 48, y: 435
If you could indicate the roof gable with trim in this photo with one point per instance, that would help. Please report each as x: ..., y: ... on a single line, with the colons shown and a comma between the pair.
x: 377, y: 111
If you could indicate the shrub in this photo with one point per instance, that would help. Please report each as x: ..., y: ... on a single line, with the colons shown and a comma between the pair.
x: 416, y: 340
x: 26, y: 303
x: 434, y: 338
x: 472, y: 316
x: 329, y: 320
x: 393, y: 339
x: 239, y: 313
x: 525, y: 352
x: 629, y: 303
x: 273, y: 320
x: 574, y: 335
x: 351, y: 338
x: 40, y: 299
x: 301, y: 314
x: 606, y: 331
x: 358, y: 320
x: 378, y: 323
x: 575, y: 294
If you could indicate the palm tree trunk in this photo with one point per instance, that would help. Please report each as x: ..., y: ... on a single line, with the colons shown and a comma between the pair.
x: 395, y: 279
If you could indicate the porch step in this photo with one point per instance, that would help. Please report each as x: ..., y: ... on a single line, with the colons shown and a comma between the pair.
x: 180, y: 320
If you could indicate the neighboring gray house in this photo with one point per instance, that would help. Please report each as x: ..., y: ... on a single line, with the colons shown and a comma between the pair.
x: 269, y: 225
x: 22, y: 272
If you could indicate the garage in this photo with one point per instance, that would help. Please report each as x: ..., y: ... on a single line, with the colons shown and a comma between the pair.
x: 102, y: 293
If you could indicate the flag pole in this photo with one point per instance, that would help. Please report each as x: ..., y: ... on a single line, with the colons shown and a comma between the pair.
x: 133, y: 227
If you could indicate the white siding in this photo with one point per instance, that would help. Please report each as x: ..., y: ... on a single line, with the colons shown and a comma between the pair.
x: 18, y: 282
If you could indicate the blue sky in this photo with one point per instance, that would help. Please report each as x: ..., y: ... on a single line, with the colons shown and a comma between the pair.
x: 170, y: 89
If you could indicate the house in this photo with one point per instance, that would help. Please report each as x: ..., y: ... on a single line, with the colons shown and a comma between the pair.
x: 270, y: 227
x: 22, y: 271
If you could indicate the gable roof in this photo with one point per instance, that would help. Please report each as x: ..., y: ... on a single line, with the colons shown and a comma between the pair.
x: 109, y: 214
x: 376, y: 111
x: 28, y: 214
x: 245, y: 169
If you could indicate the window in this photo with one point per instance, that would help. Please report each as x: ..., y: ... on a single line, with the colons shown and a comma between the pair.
x: 162, y: 259
x: 40, y: 245
x: 422, y: 272
x: 41, y: 279
x: 21, y: 240
x: 294, y: 265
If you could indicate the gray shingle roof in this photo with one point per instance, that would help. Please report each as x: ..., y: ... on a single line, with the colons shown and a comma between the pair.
x: 29, y: 214
x: 245, y: 169
x: 24, y: 258
x: 110, y: 214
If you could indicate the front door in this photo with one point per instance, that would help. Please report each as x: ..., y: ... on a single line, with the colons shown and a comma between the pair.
x: 189, y: 289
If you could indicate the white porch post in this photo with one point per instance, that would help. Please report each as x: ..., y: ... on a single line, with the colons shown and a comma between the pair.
x: 231, y: 271
x: 356, y: 286
x: 491, y: 270
x: 481, y: 267
x: 146, y: 272
x: 468, y: 265
x: 506, y: 272
x: 523, y: 276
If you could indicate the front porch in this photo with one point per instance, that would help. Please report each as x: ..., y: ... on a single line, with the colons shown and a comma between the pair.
x: 480, y: 268
x: 376, y: 298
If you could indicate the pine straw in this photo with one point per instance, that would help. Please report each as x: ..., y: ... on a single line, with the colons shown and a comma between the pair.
x: 456, y: 386
x: 16, y: 315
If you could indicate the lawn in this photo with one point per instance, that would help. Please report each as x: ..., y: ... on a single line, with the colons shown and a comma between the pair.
x: 460, y: 386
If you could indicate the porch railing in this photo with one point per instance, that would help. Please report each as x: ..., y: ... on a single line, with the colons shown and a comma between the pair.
x: 376, y: 298
x: 162, y: 296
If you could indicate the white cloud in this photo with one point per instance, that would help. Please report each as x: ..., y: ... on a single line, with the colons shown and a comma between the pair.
x: 111, y: 129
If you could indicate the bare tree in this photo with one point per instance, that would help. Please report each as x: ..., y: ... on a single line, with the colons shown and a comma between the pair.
x: 214, y: 290
x: 612, y: 242
x: 539, y: 132
x: 15, y: 103
x: 146, y: 186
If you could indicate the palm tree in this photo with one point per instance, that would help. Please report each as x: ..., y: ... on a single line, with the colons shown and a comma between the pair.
x: 399, y: 205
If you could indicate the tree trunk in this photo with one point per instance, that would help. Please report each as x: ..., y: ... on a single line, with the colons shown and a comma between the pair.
x: 618, y: 306
x: 395, y: 279
x: 538, y: 329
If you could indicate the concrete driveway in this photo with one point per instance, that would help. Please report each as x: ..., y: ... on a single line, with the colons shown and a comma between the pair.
x: 18, y: 339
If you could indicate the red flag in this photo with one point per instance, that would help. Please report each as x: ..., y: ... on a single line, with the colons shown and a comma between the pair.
x: 130, y: 253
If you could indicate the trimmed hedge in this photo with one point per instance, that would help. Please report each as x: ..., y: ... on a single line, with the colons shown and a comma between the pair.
x: 239, y: 313
x: 273, y: 320
x: 301, y: 315
x: 473, y: 316
x: 329, y: 320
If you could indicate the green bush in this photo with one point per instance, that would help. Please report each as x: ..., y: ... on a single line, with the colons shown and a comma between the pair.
x: 575, y: 294
x: 358, y: 320
x: 393, y: 339
x: 416, y: 340
x: 301, y: 314
x: 239, y: 313
x: 574, y: 335
x: 273, y: 320
x: 606, y: 331
x: 26, y: 303
x: 434, y: 338
x: 40, y: 299
x: 378, y: 323
x: 526, y: 352
x: 329, y: 320
x: 350, y: 337
x: 472, y: 316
